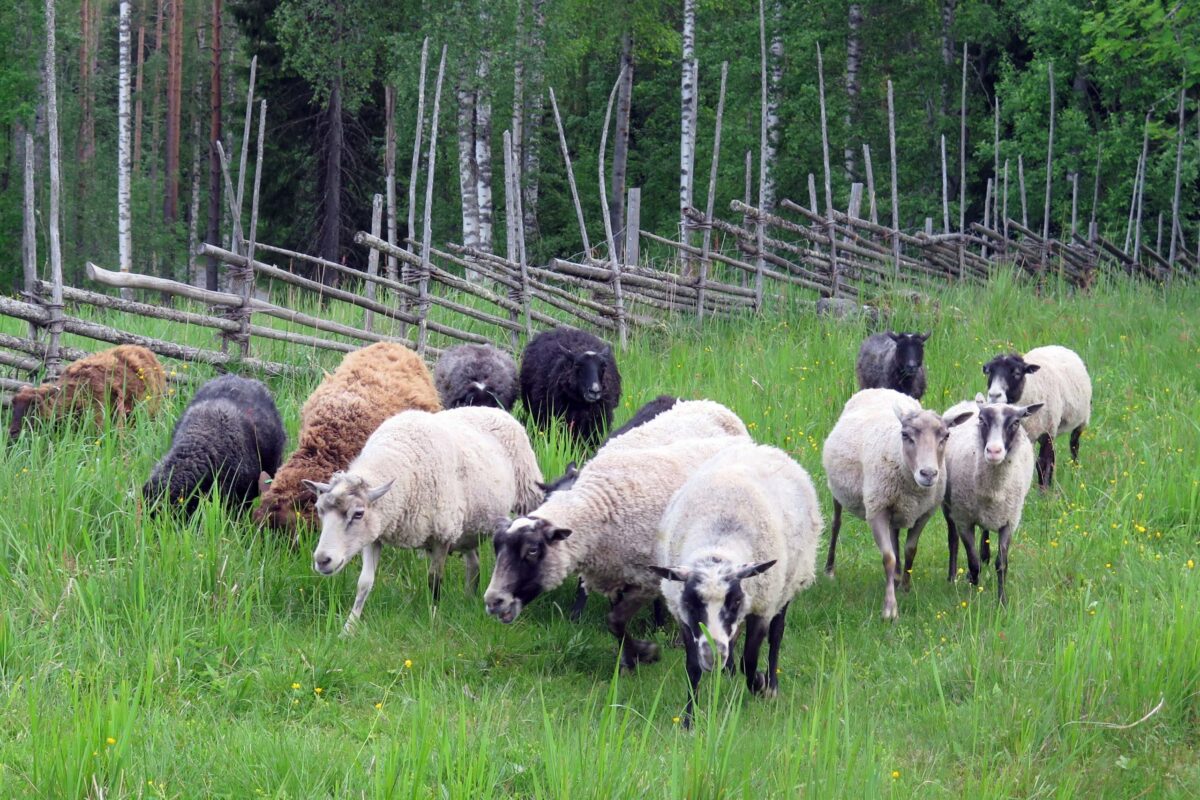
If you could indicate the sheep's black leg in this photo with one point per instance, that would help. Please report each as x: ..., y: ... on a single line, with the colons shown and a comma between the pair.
x: 967, y: 535
x: 833, y: 537
x: 774, y: 640
x: 471, y: 568
x: 985, y: 544
x: 1002, y: 563
x: 910, y: 548
x: 660, y: 614
x: 756, y: 631
x: 694, y: 674
x: 580, y: 603
x: 1045, y: 461
x: 952, y: 544
x: 1075, y: 434
x: 730, y: 661
x: 633, y: 651
x: 437, y: 567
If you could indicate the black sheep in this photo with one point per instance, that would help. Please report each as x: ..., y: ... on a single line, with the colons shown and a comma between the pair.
x: 229, y: 434
x: 893, y: 361
x: 572, y: 375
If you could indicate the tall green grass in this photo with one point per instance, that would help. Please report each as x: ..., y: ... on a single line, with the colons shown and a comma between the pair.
x: 148, y: 657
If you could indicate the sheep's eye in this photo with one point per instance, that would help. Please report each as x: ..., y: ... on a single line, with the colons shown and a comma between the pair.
x: 906, y: 437
x: 357, y: 515
x: 1017, y: 374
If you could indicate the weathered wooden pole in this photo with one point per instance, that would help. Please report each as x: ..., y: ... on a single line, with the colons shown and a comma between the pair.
x: 962, y: 148
x: 1176, y: 231
x: 416, y: 154
x: 1021, y: 184
x: 829, y: 227
x: 562, y: 141
x: 945, y: 191
x: 427, y: 232
x: 618, y: 294
x: 874, y: 215
x: 712, y: 195
x: 373, y: 259
x: 895, y: 189
x: 54, y: 320
x: 1049, y: 171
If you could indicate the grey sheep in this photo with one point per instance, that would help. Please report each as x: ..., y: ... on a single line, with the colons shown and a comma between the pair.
x: 893, y: 361
x: 476, y: 375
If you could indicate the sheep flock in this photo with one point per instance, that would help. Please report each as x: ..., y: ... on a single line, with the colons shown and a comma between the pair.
x: 680, y: 504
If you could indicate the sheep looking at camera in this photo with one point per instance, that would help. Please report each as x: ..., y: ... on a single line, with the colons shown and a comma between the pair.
x: 117, y: 379
x: 476, y: 375
x: 438, y: 482
x: 229, y: 433
x: 893, y: 361
x: 1054, y: 377
x: 737, y: 542
x: 572, y: 375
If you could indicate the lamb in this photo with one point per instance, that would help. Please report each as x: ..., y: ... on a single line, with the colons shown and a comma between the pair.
x: 1056, y: 378
x: 893, y: 361
x: 748, y: 511
x: 117, y: 379
x: 434, y: 481
x: 572, y: 375
x: 605, y: 527
x: 369, y: 386
x: 883, y: 460
x: 988, y: 472
x: 476, y: 375
x: 227, y: 435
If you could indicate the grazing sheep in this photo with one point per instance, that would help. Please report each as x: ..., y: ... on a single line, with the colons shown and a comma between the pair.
x: 748, y: 511
x: 117, y: 379
x: 664, y: 402
x: 1054, y: 377
x: 476, y: 375
x: 883, y: 460
x: 570, y: 374
x: 434, y: 481
x: 369, y: 386
x: 988, y: 472
x: 227, y: 436
x: 893, y: 361
x: 612, y: 503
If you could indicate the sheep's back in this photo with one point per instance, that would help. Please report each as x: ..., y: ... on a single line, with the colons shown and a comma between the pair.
x: 687, y: 419
x: 1063, y: 384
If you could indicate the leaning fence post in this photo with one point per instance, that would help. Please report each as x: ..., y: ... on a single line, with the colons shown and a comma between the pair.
x: 244, y: 313
x: 373, y: 259
x: 712, y: 194
x: 427, y: 233
x: 510, y: 227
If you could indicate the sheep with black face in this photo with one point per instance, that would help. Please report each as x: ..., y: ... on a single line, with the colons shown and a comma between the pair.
x: 893, y: 361
x: 572, y: 375
x: 1056, y: 378
x: 476, y: 375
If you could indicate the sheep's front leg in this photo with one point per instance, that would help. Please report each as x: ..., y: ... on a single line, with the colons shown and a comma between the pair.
x: 774, y: 641
x: 952, y: 544
x: 577, y: 608
x: 968, y: 540
x: 910, y: 549
x: 366, y: 581
x: 833, y: 537
x: 1045, y: 461
x: 437, y: 567
x: 633, y: 651
x: 1002, y: 562
x: 756, y: 632
x: 471, y: 566
x: 694, y: 674
x: 1075, y: 434
x: 882, y: 529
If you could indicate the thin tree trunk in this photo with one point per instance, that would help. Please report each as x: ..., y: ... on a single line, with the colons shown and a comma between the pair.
x: 535, y: 104
x: 156, y: 104
x: 1049, y: 160
x: 29, y: 237
x: 616, y: 199
x: 895, y: 189
x: 194, y: 275
x: 1021, y: 181
x: 687, y: 122
x: 774, y: 98
x: 853, y: 58
x: 174, y: 96
x: 53, y: 362
x: 389, y: 166
x: 137, y: 92
x: 483, y: 149
x: 331, y: 203
x: 962, y: 147
x: 124, y: 154
x: 416, y: 153
x: 213, y: 234
x: 1176, y: 231
x: 466, y: 168
x: 517, y: 124
x: 85, y: 146
x: 427, y: 229
x: 566, y: 153
x: 947, y: 53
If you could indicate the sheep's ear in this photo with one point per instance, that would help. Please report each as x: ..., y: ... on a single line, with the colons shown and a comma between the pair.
x: 1031, y: 368
x: 557, y: 534
x: 986, y: 370
x: 958, y: 419
x: 316, y: 488
x: 264, y: 482
x: 979, y: 398
x: 750, y: 570
x: 680, y: 574
x: 1031, y: 409
x: 607, y: 351
x: 899, y: 411
x: 571, y: 470
x: 923, y: 337
x: 378, y: 491
x: 895, y: 337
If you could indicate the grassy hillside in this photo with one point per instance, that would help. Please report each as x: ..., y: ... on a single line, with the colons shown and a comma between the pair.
x: 143, y: 657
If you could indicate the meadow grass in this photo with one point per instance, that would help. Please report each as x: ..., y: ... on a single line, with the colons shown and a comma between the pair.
x: 148, y: 657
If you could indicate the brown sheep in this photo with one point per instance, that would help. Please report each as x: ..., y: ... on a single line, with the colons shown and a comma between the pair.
x: 117, y: 378
x: 369, y: 386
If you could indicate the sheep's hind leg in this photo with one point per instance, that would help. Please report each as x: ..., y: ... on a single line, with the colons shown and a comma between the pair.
x: 1002, y: 563
x: 471, y: 566
x: 833, y: 537
x: 577, y: 608
x: 694, y: 674
x: 952, y: 545
x: 910, y: 549
x: 883, y: 540
x: 437, y: 567
x: 968, y: 540
x: 774, y: 640
x: 633, y: 651
x: 366, y: 580
x: 1075, y: 434
x: 1045, y: 461
x: 756, y: 631
x: 985, y: 545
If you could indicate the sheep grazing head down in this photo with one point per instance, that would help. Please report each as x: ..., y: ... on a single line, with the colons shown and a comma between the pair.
x: 348, y: 522
x: 999, y: 424
x: 27, y: 399
x: 712, y: 605
x: 476, y: 393
x: 521, y: 550
x: 923, y: 436
x: 561, y: 484
x: 586, y: 373
x: 1006, y: 377
x: 910, y: 351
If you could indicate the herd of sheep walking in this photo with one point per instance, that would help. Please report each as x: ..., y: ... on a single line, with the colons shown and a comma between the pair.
x: 678, y: 505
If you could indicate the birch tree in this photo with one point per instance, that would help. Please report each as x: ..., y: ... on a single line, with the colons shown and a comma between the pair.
x: 616, y: 198
x: 213, y: 233
x: 124, y: 150
x: 687, y: 118
x: 853, y: 59
x: 467, y: 183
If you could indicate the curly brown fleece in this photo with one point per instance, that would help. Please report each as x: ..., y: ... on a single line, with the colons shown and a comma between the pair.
x: 117, y: 378
x: 369, y: 386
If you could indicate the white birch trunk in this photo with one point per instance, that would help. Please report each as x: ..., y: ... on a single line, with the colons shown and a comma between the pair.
x: 53, y: 361
x: 775, y: 81
x: 466, y: 167
x: 416, y: 155
x: 616, y: 200
x: 535, y: 105
x: 195, y: 271
x: 687, y: 118
x: 29, y: 236
x: 853, y: 59
x: 124, y: 149
x: 389, y: 162
x: 483, y: 152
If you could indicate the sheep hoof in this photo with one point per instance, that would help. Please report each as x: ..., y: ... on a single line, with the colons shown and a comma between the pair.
x: 829, y: 573
x: 890, y: 612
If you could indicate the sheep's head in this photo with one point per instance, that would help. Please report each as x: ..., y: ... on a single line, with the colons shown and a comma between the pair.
x: 910, y: 351
x: 712, y: 605
x: 521, y: 550
x: 476, y: 393
x: 562, y: 483
x: 588, y: 369
x: 923, y: 436
x: 1006, y: 377
x: 999, y: 426
x: 26, y: 399
x: 349, y: 521
x: 278, y: 509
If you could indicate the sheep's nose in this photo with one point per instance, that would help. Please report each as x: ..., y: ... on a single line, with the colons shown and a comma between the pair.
x: 928, y: 473
x: 322, y: 561
x: 995, y: 397
x: 995, y: 450
x: 596, y: 388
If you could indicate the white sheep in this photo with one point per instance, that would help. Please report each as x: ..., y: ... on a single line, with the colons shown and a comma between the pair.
x: 988, y: 471
x: 1056, y: 378
x: 434, y: 481
x: 687, y: 419
x: 883, y: 460
x: 740, y: 538
x: 604, y: 528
